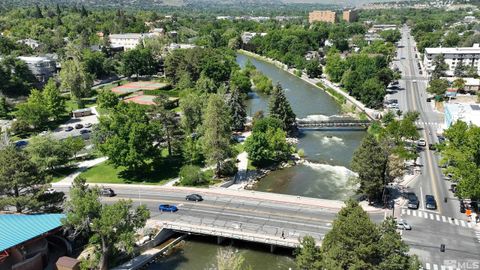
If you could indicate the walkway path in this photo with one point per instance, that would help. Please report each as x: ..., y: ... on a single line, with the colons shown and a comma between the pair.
x: 82, y: 166
x: 241, y: 177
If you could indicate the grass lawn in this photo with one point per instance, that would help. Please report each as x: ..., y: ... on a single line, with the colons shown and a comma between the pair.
x: 61, y: 173
x: 106, y: 173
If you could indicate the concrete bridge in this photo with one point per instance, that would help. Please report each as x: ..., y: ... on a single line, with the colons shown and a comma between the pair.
x: 333, y: 124
x: 276, y: 220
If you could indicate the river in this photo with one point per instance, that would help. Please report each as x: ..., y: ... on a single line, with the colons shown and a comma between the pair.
x: 324, y: 175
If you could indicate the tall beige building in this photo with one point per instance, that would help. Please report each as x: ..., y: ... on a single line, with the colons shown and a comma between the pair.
x: 322, y: 16
x: 350, y: 15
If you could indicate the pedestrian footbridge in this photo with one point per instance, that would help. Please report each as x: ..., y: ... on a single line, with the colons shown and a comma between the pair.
x: 340, y: 124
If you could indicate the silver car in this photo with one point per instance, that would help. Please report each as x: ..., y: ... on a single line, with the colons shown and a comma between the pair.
x: 403, y: 225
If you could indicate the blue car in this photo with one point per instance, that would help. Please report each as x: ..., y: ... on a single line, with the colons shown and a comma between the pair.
x: 21, y: 144
x: 167, y: 208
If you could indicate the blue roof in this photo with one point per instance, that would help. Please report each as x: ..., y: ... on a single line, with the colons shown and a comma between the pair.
x: 16, y: 229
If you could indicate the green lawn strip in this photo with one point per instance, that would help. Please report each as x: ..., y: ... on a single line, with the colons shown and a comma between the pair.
x: 105, y: 172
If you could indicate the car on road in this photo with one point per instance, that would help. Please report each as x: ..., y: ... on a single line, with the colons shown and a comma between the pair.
x: 78, y: 126
x: 421, y: 142
x: 441, y: 139
x: 403, y: 225
x: 413, y: 202
x: 432, y: 146
x: 69, y: 128
x: 194, y: 197
x: 107, y: 192
x: 88, y: 125
x: 430, y: 202
x: 167, y: 208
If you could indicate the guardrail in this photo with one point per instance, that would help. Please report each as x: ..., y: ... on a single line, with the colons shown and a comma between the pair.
x: 232, y: 233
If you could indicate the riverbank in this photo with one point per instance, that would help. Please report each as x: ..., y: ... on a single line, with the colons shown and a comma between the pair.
x: 328, y: 87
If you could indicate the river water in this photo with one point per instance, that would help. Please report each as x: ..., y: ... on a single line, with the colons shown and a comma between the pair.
x: 324, y: 175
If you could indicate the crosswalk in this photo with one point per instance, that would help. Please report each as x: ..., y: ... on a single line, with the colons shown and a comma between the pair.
x: 477, y: 234
x: 433, y: 266
x: 432, y: 124
x: 437, y: 217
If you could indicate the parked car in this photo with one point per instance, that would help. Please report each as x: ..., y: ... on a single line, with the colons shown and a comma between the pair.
x: 441, y: 139
x: 432, y: 146
x: 403, y: 225
x: 21, y: 144
x: 413, y: 202
x: 167, y: 208
x: 84, y: 131
x: 421, y: 142
x: 69, y: 128
x: 430, y: 202
x: 78, y: 126
x: 194, y: 197
x: 88, y: 125
x: 107, y: 192
x: 453, y: 188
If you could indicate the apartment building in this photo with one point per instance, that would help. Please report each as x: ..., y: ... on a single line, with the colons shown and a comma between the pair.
x: 128, y: 40
x: 322, y: 16
x: 350, y: 15
x: 467, y: 56
x: 41, y: 67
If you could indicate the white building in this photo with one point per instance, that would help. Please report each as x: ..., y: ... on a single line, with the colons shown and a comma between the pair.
x: 41, y: 67
x: 468, y: 113
x: 468, y: 56
x: 32, y: 43
x: 130, y: 40
x: 247, y: 36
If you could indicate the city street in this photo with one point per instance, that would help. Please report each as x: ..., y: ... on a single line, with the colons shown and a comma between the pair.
x: 446, y: 225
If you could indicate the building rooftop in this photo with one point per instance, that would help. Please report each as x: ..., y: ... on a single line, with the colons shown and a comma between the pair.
x: 468, y: 113
x: 17, y: 229
x: 461, y: 50
x: 127, y: 35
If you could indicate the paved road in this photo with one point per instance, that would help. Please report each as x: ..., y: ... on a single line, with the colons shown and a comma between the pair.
x: 446, y: 225
x: 245, y: 211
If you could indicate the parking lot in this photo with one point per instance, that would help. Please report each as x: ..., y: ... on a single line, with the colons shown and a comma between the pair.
x: 76, y: 125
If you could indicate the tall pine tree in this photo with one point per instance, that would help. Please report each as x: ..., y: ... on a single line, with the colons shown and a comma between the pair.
x: 280, y: 109
x: 370, y: 162
x: 238, y: 113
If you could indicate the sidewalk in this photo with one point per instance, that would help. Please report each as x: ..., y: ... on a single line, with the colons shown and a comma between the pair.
x: 82, y: 166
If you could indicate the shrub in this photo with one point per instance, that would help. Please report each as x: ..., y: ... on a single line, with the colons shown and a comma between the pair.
x: 191, y: 175
x: 228, y: 168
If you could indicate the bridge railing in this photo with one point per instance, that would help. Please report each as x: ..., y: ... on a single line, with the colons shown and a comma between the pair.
x: 230, y: 233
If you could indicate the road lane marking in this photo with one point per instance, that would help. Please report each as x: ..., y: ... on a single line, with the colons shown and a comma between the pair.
x: 427, y: 266
x: 425, y: 215
x: 431, y: 217
x: 469, y: 224
x: 444, y: 219
x: 435, y: 267
x: 456, y: 221
x: 403, y: 211
x: 450, y: 221
x: 414, y: 213
x: 421, y: 196
x: 463, y: 223
x: 438, y: 217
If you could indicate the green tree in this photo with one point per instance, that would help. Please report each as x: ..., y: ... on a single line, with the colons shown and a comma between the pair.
x: 241, y: 81
x: 391, y: 35
x: 167, y: 125
x: 16, y: 77
x: 373, y: 92
x: 267, y: 144
x: 111, y: 228
x: 76, y: 80
x: 370, y: 162
x: 34, y: 111
x: 107, y: 99
x: 192, y: 107
x: 47, y: 152
x: 216, y: 131
x: 204, y: 84
x: 192, y: 175
x: 229, y: 259
x: 54, y: 102
x: 127, y: 137
x: 3, y: 108
x: 313, y: 69
x: 21, y: 181
x: 237, y: 106
x: 438, y: 87
x: 439, y: 67
x: 459, y: 84
x: 138, y: 62
x: 308, y: 256
x: 279, y: 108
x: 335, y: 66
